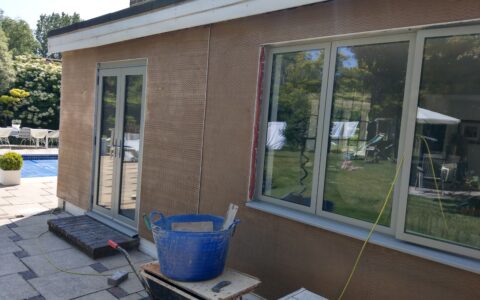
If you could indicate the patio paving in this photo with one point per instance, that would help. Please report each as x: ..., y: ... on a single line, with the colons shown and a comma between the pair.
x: 29, y: 254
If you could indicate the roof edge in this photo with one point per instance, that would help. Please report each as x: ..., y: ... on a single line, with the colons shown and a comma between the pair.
x: 115, y: 16
x: 175, y: 16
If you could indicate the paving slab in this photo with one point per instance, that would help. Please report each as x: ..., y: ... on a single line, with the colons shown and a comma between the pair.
x: 23, y: 209
x: 10, y: 264
x: 132, y: 284
x: 133, y: 297
x: 61, y: 286
x: 8, y: 246
x: 5, y: 232
x: 33, y: 231
x: 33, y: 220
x: 4, y: 201
x: 47, y: 242
x: 64, y: 259
x: 118, y: 260
x: 102, y: 295
x: 14, y: 287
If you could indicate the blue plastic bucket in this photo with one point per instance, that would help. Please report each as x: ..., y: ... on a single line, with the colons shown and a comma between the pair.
x: 191, y: 256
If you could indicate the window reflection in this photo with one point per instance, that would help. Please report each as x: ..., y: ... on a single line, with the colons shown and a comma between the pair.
x: 364, y: 129
x: 444, y: 193
x: 292, y: 125
x: 107, y: 132
x: 131, y: 145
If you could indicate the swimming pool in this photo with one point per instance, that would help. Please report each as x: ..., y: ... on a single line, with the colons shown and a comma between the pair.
x: 39, y: 166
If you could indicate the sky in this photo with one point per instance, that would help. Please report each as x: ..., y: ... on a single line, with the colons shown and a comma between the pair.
x: 30, y: 10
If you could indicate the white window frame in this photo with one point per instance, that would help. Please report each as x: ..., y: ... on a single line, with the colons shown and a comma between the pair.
x: 416, y: 41
x: 409, y: 141
x: 410, y: 38
x: 323, y: 126
x: 264, y: 124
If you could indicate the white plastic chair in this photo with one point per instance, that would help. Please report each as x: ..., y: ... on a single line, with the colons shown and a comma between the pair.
x: 38, y: 135
x: 25, y: 135
x: 4, y: 135
x: 52, y: 136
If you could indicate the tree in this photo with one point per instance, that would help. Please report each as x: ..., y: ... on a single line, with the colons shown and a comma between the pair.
x: 50, y: 22
x: 9, y: 103
x: 41, y: 78
x: 20, y: 36
x: 7, y: 74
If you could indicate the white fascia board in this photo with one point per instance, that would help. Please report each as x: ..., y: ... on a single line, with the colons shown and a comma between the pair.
x: 183, y: 15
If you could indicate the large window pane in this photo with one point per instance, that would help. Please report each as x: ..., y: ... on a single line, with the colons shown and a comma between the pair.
x: 107, y: 133
x: 131, y: 145
x: 292, y: 125
x: 444, y: 192
x: 364, y: 129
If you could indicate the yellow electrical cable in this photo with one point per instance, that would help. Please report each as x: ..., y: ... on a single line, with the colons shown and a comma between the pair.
x: 357, y: 260
x: 60, y: 269
x: 435, y: 181
x: 360, y: 253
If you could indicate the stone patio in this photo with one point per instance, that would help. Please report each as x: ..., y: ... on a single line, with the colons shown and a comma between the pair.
x: 30, y: 256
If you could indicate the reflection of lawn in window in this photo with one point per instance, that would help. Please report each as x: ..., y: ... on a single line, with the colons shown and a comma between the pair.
x: 359, y: 193
x: 287, y: 174
x: 424, y: 217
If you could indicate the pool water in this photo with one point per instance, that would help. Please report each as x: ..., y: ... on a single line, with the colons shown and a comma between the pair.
x: 39, y: 168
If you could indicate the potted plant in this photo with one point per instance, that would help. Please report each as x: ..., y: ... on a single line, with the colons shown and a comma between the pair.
x: 10, y: 165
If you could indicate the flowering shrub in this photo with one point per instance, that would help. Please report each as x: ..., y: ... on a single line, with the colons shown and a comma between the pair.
x: 8, y: 104
x: 40, y: 79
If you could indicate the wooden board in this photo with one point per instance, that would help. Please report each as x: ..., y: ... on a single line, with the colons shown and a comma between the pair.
x: 241, y: 283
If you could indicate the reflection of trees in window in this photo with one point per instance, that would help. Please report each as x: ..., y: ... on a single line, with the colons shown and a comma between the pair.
x: 109, y: 99
x: 294, y: 99
x: 369, y: 85
x: 133, y: 103
x: 453, y: 65
x: 299, y: 92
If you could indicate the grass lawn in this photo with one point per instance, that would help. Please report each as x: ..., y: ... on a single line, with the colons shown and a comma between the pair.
x: 424, y: 217
x: 286, y: 174
x: 359, y: 193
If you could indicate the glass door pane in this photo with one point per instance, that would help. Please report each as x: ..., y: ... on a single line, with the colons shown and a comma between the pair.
x: 296, y: 84
x: 106, y: 142
x: 130, y: 145
x: 365, y: 122
x: 444, y: 192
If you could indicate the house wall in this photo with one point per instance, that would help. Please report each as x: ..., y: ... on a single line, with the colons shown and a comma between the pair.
x: 197, y: 153
x: 173, y: 121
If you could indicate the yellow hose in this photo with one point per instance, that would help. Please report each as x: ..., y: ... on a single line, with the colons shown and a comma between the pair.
x: 385, y: 202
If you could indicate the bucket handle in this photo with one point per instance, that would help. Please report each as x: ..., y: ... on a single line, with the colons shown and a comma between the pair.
x: 161, y: 217
x: 233, y: 226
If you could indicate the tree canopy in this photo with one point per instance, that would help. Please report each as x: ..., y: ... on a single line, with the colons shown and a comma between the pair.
x: 7, y: 74
x: 50, y: 22
x: 20, y: 37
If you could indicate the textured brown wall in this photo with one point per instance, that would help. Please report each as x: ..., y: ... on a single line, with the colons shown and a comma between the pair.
x: 286, y: 255
x: 176, y: 85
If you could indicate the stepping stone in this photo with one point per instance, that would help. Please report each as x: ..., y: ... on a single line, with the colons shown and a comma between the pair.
x: 90, y: 236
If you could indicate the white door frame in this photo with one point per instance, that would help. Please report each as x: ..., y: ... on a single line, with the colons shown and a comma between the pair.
x: 120, y: 70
